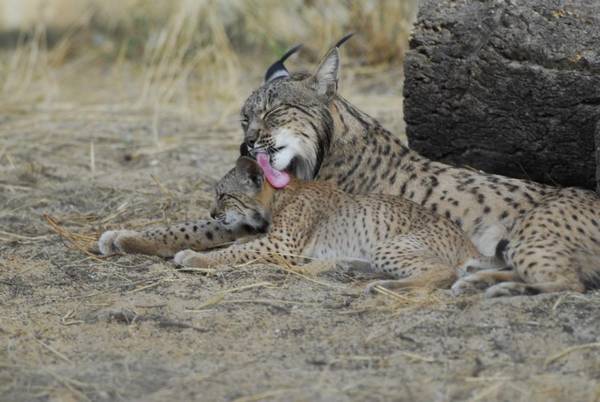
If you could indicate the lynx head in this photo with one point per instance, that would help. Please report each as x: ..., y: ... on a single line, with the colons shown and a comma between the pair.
x: 236, y: 201
x: 288, y: 117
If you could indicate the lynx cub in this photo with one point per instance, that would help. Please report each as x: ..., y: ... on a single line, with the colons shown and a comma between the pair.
x: 316, y: 220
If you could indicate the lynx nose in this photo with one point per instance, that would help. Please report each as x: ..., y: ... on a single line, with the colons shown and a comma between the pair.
x: 213, y: 213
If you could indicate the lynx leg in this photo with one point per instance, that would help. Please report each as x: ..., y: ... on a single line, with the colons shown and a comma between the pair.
x: 270, y: 248
x: 539, y: 268
x: 544, y: 264
x: 165, y: 242
x: 434, y: 276
x: 129, y: 241
x: 414, y: 262
x: 481, y: 263
x: 481, y: 280
x: 520, y: 288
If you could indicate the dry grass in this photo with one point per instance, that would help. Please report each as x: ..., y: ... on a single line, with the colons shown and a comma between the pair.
x: 191, y: 54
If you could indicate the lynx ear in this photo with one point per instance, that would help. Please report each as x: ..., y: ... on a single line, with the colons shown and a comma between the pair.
x: 277, y: 69
x: 250, y: 169
x: 325, y: 79
x: 244, y: 149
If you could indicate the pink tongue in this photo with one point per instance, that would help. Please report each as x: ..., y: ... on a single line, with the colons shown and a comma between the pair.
x: 275, y: 177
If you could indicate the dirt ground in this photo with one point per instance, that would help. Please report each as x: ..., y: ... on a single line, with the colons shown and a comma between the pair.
x: 76, y: 327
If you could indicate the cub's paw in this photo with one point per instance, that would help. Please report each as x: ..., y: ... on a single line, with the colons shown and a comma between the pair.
x: 111, y: 241
x: 190, y: 258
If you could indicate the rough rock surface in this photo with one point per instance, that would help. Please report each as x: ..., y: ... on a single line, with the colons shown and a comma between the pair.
x: 598, y: 157
x: 507, y: 87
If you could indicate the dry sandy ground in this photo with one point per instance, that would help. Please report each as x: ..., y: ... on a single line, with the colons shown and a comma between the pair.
x: 75, y: 327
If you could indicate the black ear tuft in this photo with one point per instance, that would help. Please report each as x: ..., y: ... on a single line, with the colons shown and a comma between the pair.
x: 344, y: 39
x: 277, y: 69
x: 325, y: 79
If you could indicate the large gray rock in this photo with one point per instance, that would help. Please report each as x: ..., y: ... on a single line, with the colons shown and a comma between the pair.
x: 507, y: 86
x: 598, y: 157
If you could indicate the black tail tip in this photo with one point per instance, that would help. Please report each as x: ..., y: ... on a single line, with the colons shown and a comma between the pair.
x: 500, y: 248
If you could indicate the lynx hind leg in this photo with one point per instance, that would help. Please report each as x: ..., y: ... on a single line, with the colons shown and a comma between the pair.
x: 520, y: 288
x: 530, y: 275
x: 425, y: 273
x: 414, y: 263
x: 165, y: 242
x: 541, y: 266
x: 554, y: 247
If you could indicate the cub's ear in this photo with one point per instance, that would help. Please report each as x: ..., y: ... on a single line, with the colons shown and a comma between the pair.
x: 244, y: 149
x: 325, y: 79
x: 250, y: 169
x: 277, y: 69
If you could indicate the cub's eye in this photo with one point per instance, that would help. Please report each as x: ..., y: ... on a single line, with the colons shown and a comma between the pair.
x: 244, y: 123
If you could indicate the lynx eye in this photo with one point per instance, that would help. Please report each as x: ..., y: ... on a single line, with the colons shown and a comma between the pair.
x: 273, y: 111
x: 244, y: 123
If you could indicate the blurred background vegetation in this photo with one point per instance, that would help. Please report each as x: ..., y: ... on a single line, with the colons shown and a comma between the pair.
x: 183, y: 52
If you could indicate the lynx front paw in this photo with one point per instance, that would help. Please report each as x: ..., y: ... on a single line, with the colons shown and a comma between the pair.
x: 111, y: 240
x: 190, y: 258
x: 506, y: 289
x: 462, y: 287
x: 474, y: 283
